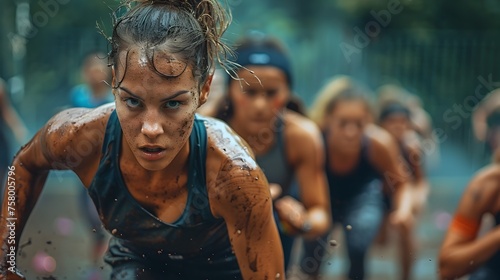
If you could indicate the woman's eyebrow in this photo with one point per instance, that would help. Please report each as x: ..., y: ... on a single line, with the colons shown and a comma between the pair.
x: 175, y: 95
x: 130, y: 92
x: 180, y: 92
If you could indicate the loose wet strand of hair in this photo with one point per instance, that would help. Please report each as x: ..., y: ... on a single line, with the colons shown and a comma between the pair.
x: 118, y: 84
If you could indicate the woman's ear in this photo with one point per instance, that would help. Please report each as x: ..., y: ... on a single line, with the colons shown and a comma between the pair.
x: 205, y: 90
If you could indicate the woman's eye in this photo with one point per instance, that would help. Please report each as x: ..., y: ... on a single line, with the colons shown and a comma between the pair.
x: 250, y: 92
x: 132, y: 102
x: 173, y: 104
x: 272, y: 92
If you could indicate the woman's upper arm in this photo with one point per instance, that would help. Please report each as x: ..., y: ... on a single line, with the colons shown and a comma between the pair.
x: 476, y: 200
x: 67, y: 141
x: 309, y: 163
x: 416, y: 161
x: 388, y: 160
x: 243, y: 201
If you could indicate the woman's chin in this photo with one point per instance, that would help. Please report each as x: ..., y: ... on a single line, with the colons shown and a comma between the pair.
x: 154, y: 165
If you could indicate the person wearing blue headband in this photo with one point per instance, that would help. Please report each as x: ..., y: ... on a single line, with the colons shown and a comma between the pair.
x: 287, y: 145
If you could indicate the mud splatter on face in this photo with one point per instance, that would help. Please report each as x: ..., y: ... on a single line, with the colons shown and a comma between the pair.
x: 143, y: 61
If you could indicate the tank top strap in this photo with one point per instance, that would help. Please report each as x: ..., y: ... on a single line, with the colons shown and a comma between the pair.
x: 198, y: 202
x: 365, y: 148
x: 198, y: 154
x: 280, y: 137
x: 113, y: 131
x: 274, y: 163
x: 280, y: 129
x: 325, y: 144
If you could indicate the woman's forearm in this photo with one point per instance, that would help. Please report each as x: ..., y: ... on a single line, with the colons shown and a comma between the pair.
x: 458, y: 260
x: 319, y: 222
x: 22, y: 189
x: 402, y: 198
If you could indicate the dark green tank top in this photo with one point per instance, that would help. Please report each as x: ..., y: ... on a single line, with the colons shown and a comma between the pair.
x: 196, y: 240
x: 344, y: 187
x: 275, y: 164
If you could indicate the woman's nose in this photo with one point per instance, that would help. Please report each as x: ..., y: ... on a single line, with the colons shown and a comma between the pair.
x: 351, y: 130
x: 151, y: 127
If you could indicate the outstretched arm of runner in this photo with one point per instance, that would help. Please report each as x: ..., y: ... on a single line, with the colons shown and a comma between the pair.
x: 244, y: 202
x: 462, y: 252
x: 53, y: 147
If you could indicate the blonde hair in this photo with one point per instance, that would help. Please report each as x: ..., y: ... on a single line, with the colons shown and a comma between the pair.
x: 337, y: 89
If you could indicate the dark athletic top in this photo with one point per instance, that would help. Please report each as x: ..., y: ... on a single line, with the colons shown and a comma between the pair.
x: 274, y: 163
x: 196, y: 246
x: 345, y: 186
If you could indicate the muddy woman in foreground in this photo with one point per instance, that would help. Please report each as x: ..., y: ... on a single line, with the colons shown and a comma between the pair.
x: 181, y: 195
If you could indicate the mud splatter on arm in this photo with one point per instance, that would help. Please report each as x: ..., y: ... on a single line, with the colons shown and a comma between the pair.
x: 246, y: 206
x: 49, y: 149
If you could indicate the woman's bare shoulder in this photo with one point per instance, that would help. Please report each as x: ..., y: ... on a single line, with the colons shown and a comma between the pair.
x: 482, y: 192
x: 76, y: 119
x: 300, y: 126
x: 300, y: 130
x: 232, y: 173
x: 487, y: 179
x: 75, y: 133
x: 224, y: 144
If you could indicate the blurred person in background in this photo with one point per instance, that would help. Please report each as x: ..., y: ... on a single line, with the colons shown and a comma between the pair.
x: 287, y: 145
x: 463, y: 251
x: 420, y: 120
x: 9, y: 119
x: 482, y: 132
x: 395, y: 118
x: 92, y: 93
x: 181, y: 194
x: 359, y: 158
x: 95, y: 90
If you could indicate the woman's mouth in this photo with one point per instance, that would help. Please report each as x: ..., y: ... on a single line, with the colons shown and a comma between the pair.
x: 152, y: 153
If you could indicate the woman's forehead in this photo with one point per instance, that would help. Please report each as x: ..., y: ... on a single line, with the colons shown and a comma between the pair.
x: 262, y: 76
x: 349, y: 104
x: 160, y: 61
